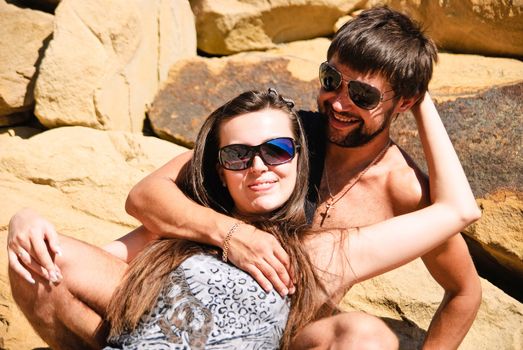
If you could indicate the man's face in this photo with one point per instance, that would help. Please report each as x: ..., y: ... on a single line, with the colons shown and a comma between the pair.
x: 350, y: 125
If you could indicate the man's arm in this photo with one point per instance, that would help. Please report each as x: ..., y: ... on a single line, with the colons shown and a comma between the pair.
x: 451, y: 266
x: 165, y: 211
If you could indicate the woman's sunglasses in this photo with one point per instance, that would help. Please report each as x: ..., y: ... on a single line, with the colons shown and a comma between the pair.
x: 362, y: 94
x: 273, y: 152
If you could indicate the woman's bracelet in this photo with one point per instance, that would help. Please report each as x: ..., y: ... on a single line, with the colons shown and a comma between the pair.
x: 227, y: 239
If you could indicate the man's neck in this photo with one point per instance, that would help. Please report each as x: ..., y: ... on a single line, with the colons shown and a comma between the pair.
x: 349, y: 161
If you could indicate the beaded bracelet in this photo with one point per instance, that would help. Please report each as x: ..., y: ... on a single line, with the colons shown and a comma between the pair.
x: 227, y: 239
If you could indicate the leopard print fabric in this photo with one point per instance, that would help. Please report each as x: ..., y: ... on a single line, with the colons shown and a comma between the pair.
x: 209, y: 304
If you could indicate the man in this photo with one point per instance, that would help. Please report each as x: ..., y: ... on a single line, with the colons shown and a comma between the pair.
x: 378, y: 65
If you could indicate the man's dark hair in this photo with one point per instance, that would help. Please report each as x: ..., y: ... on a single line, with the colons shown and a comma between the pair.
x: 381, y: 40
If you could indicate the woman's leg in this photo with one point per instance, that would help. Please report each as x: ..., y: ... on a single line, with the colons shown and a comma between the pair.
x: 69, y: 315
x: 350, y: 330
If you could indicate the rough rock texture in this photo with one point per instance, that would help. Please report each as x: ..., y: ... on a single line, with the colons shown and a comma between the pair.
x: 487, y: 27
x: 198, y: 86
x: 24, y: 34
x: 106, y: 60
x: 231, y: 26
x: 76, y: 177
x: 486, y: 130
x: 500, y: 230
x: 406, y: 298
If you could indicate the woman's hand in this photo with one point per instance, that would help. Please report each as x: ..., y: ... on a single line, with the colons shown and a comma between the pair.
x: 32, y: 243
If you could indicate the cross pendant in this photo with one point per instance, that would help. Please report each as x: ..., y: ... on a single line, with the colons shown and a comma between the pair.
x: 326, y: 214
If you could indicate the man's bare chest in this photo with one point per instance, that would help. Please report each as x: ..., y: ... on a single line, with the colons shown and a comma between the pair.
x: 362, y: 205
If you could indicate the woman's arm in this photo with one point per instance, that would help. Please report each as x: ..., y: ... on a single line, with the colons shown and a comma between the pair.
x: 381, y: 247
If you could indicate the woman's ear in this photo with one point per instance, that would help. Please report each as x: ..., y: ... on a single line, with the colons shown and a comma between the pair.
x: 221, y: 174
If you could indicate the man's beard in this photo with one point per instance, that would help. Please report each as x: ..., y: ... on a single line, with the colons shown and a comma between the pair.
x: 357, y: 137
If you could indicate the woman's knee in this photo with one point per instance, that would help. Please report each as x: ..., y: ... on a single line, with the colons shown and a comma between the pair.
x: 359, y: 330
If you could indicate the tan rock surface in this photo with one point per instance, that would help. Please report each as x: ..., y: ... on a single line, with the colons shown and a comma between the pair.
x: 487, y: 27
x: 232, y: 26
x: 76, y: 177
x: 23, y: 34
x: 500, y: 230
x: 408, y: 297
x: 106, y: 60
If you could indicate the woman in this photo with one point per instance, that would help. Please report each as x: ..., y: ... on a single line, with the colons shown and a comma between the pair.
x: 247, y: 163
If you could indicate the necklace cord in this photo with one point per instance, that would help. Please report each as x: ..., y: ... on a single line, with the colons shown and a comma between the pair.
x: 333, y: 200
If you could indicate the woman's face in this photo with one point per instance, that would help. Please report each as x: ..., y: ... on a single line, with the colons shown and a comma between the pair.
x: 260, y: 188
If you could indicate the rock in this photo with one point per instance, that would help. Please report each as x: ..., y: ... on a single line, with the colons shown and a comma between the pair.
x: 231, y: 26
x: 78, y: 178
x: 106, y: 60
x: 485, y: 27
x: 24, y: 35
x: 486, y: 131
x: 196, y: 87
x: 408, y: 297
x: 498, y: 238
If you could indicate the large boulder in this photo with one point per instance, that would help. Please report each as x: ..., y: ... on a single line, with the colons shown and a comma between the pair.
x: 107, y: 59
x: 196, y: 87
x: 78, y: 178
x: 486, y: 27
x: 232, y: 26
x: 24, y: 35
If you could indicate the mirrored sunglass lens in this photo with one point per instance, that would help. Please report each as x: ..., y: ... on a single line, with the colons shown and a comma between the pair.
x: 364, y: 95
x: 235, y: 157
x: 277, y: 151
x: 330, y: 79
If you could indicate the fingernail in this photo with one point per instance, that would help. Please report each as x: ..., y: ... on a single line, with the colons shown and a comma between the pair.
x: 30, y: 280
x: 284, y: 292
x: 53, y: 277
x: 292, y: 290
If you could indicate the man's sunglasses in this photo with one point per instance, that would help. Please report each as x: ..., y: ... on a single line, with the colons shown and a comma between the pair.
x: 273, y: 152
x: 362, y: 94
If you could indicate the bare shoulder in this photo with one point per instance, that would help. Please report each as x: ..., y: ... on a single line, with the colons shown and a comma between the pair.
x: 407, y: 185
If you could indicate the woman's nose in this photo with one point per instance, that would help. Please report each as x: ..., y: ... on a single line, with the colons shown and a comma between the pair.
x: 258, y: 165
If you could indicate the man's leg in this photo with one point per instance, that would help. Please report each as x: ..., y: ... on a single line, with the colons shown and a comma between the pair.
x: 69, y: 315
x: 350, y: 330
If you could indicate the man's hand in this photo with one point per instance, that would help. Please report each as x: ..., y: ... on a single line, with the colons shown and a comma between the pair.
x: 260, y: 254
x: 32, y: 243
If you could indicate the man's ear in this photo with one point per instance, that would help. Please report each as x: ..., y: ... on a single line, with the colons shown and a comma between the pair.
x: 406, y: 104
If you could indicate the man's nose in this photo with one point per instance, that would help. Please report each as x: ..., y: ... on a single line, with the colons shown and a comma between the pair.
x: 342, y: 102
x: 258, y: 165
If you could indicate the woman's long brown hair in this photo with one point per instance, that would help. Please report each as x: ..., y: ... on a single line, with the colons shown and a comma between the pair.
x: 147, y: 273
